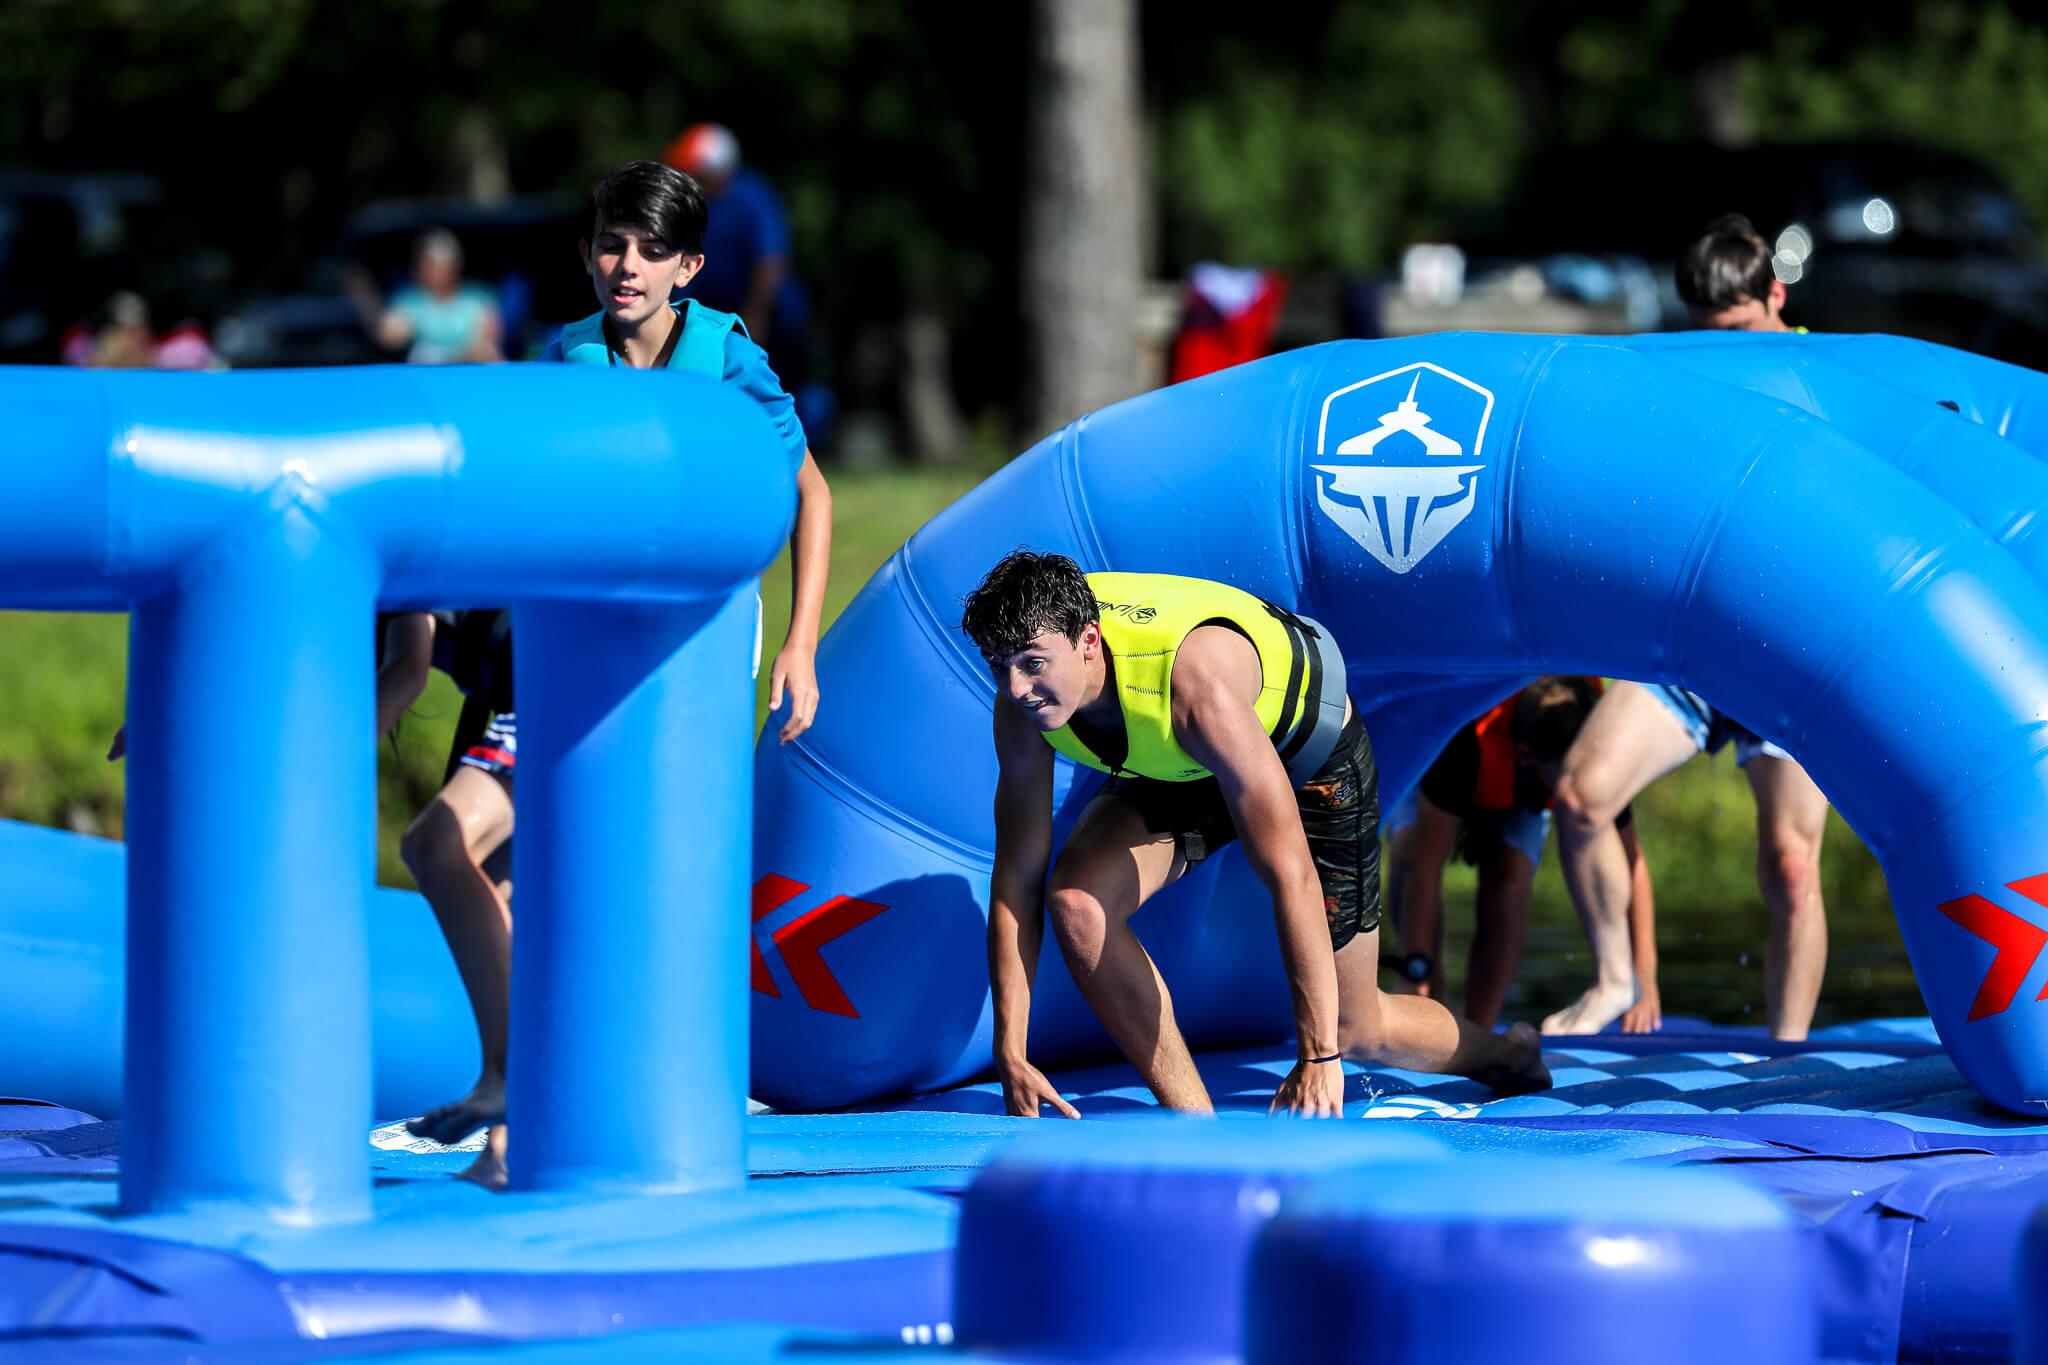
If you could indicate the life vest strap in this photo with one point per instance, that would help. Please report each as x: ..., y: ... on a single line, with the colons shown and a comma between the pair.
x: 1312, y: 741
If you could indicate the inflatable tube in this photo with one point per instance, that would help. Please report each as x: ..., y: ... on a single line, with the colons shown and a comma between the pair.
x: 1130, y: 1241
x: 1943, y: 442
x: 1603, y: 512
x: 62, y: 934
x: 1546, y: 1262
x: 1996, y: 481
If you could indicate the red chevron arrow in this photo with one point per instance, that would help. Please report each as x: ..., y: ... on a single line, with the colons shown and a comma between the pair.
x: 2018, y: 942
x: 802, y: 937
x: 2034, y: 889
x: 770, y: 893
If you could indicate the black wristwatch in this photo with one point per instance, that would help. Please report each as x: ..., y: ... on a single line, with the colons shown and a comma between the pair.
x: 1413, y: 967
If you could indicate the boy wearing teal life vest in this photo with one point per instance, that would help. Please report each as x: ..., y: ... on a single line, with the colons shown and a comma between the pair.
x: 647, y: 231
x: 1219, y: 717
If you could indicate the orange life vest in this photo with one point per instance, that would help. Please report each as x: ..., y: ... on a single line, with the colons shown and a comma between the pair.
x: 1495, y: 787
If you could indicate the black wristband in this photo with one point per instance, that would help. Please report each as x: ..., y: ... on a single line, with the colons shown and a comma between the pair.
x: 1312, y: 1061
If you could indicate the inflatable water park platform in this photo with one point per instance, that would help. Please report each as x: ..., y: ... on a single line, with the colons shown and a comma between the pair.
x: 1838, y: 541
x: 1887, y: 1208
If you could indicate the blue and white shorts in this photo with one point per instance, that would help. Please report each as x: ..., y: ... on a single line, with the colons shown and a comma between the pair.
x: 498, y: 751
x: 1520, y: 829
x: 1711, y: 730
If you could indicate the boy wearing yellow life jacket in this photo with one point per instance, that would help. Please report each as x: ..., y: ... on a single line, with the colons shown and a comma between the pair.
x: 1219, y: 717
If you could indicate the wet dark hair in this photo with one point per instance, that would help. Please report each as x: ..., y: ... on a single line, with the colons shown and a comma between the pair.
x: 660, y: 201
x: 1021, y: 598
x: 1550, y: 712
x: 1728, y: 265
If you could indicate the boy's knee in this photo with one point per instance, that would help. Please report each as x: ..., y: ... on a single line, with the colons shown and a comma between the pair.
x: 432, y: 841
x: 1583, y: 804
x: 1788, y: 873
x: 1078, y: 917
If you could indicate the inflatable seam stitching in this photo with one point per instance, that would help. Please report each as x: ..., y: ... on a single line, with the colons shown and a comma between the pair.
x: 835, y: 783
x: 1508, y: 596
x: 1700, y: 549
x: 951, y: 645
x: 1075, y: 498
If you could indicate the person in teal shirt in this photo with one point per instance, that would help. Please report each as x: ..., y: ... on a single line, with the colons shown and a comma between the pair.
x: 438, y: 319
x: 647, y: 233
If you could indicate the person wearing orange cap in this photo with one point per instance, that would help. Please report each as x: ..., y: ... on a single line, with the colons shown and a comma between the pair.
x: 746, y: 244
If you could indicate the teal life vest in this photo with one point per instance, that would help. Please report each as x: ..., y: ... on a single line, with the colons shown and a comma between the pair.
x: 700, y: 349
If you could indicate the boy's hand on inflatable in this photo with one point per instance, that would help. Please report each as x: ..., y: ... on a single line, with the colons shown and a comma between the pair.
x: 1312, y: 1090
x: 1647, y: 1014
x: 1025, y: 1088
x: 795, y: 671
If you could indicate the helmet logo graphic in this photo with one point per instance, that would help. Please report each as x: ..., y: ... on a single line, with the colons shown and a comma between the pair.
x: 1399, y: 512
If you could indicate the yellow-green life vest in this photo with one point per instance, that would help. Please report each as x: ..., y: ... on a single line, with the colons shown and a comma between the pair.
x: 1146, y: 616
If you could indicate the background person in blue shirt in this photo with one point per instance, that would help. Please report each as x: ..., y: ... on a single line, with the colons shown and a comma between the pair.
x: 647, y: 229
x: 746, y: 266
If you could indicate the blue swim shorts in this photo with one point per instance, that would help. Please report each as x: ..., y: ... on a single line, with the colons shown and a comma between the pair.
x: 1520, y: 829
x: 1712, y: 730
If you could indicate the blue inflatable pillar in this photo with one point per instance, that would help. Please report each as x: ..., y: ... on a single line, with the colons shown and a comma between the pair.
x: 253, y: 524
x: 252, y: 848
x: 628, y: 1059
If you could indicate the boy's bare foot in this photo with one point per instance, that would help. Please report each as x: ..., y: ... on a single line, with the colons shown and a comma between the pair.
x: 488, y: 1170
x: 1595, y: 1010
x: 451, y: 1123
x: 1523, y: 1069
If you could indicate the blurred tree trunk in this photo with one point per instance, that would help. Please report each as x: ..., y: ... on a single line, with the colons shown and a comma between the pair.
x: 1718, y: 105
x: 931, y: 415
x: 1083, y: 179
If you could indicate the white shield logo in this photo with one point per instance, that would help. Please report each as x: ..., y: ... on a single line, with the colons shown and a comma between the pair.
x: 1400, y: 512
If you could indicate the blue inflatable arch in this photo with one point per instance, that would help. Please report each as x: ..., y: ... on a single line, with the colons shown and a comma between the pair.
x: 1462, y: 512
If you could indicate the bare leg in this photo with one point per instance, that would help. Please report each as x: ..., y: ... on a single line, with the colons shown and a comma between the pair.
x: 1791, y: 816
x: 1629, y: 741
x: 457, y: 850
x: 488, y: 1170
x: 1501, y: 923
x: 1419, y: 1034
x: 1111, y: 865
x: 1397, y: 862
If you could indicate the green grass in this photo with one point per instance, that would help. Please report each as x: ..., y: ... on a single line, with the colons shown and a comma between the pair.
x: 63, y: 678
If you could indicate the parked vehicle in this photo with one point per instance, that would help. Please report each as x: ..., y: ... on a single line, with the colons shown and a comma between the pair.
x: 71, y: 241
x: 1870, y: 236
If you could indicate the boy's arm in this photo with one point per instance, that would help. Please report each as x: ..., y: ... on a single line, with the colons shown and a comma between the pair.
x: 810, y: 556
x: 1421, y: 912
x: 1647, y: 1014
x: 402, y: 672
x: 1215, y: 676
x: 1016, y: 907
